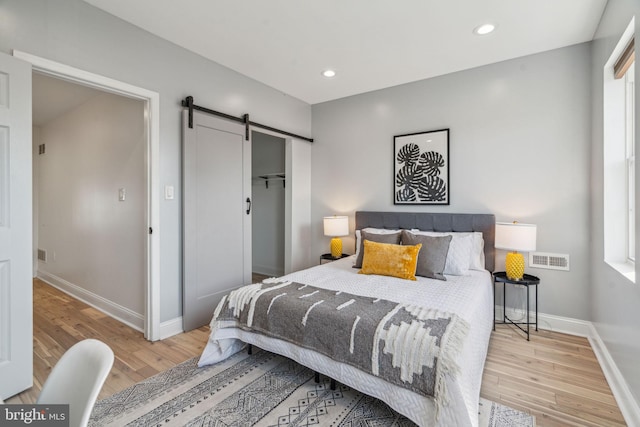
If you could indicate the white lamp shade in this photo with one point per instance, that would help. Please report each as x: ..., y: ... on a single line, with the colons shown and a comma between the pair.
x: 515, y: 236
x: 336, y: 226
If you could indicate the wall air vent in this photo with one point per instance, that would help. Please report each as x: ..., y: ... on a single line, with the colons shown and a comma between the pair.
x: 549, y: 261
x: 42, y: 255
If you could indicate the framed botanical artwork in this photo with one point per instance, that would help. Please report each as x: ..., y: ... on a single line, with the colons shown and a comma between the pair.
x: 421, y: 168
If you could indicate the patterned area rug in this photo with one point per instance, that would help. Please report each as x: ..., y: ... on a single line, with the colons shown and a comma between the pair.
x: 263, y: 390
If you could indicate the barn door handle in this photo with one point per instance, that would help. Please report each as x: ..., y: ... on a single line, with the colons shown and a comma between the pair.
x: 248, y: 205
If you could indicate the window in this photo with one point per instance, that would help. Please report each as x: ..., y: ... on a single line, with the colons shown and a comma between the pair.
x: 619, y: 157
x: 630, y: 161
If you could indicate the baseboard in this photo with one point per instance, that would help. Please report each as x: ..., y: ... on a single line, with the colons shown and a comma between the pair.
x: 550, y: 322
x: 171, y: 327
x: 565, y: 325
x: 267, y: 271
x: 621, y: 392
x: 118, y: 312
x: 128, y: 317
x: 626, y: 402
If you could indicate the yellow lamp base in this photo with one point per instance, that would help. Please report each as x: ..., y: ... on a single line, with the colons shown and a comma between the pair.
x: 336, y: 247
x: 514, y: 265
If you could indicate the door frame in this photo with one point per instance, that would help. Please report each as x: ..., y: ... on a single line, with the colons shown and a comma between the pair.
x: 151, y: 102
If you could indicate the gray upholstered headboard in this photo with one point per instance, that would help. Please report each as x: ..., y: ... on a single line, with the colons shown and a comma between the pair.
x: 484, y: 223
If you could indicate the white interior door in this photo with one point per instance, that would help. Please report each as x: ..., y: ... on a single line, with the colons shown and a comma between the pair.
x: 16, y: 287
x: 217, y: 217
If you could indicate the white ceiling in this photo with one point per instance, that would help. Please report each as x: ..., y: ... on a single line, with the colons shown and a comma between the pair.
x: 372, y: 44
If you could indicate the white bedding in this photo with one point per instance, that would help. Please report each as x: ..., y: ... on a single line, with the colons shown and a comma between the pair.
x: 468, y: 296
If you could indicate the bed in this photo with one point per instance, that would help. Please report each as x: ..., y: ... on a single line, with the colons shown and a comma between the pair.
x: 466, y: 298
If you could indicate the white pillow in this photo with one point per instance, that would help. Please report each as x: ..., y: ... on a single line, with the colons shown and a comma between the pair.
x: 373, y: 231
x: 476, y: 261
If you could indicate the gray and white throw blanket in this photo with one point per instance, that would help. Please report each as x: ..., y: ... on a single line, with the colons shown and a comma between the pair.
x: 407, y: 345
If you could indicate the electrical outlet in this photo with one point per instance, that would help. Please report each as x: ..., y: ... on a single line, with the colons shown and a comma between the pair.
x: 122, y: 194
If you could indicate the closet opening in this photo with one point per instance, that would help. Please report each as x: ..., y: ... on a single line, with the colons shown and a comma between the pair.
x: 268, y: 188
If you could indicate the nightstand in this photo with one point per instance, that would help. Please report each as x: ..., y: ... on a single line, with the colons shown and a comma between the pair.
x: 527, y: 281
x: 329, y: 258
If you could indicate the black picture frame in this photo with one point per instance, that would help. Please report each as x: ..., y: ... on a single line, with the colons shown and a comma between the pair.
x: 421, y: 168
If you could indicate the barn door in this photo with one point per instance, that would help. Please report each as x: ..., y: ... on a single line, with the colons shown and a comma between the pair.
x: 216, y: 215
x: 16, y: 258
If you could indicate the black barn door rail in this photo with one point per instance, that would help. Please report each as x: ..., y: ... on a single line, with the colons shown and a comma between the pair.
x: 188, y: 103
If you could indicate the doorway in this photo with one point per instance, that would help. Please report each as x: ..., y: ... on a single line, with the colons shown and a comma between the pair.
x: 268, y: 165
x: 90, y: 196
x: 150, y: 321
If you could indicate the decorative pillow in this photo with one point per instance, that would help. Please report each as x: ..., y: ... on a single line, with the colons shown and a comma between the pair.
x: 460, y: 249
x: 459, y: 256
x: 477, y: 248
x: 392, y: 237
x: 433, y: 255
x: 373, y: 231
x: 387, y: 259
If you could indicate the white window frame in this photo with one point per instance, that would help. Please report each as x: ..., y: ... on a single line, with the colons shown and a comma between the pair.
x: 630, y: 161
x: 619, y: 163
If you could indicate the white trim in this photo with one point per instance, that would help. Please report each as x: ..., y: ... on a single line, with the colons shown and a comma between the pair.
x: 171, y: 327
x: 619, y: 387
x: 626, y: 402
x: 152, y: 116
x: 297, y: 244
x: 565, y: 325
x: 118, y: 312
x: 615, y: 148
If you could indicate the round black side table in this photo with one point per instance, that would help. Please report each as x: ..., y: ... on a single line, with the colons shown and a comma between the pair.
x: 329, y: 257
x: 528, y: 281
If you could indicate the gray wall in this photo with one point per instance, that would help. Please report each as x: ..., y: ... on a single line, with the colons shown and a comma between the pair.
x: 615, y: 300
x: 519, y: 148
x: 79, y: 35
x: 92, y: 239
x: 268, y: 207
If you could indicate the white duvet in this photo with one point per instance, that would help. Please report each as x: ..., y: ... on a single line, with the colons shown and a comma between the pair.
x: 470, y: 297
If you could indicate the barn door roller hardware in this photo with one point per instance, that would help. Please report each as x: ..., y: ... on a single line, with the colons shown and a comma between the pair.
x: 188, y: 103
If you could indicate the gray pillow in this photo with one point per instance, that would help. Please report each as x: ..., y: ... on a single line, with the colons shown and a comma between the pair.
x: 393, y: 238
x: 433, y: 254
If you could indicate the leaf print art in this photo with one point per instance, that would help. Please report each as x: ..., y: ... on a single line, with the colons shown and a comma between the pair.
x: 408, y: 155
x: 431, y: 162
x: 421, y: 168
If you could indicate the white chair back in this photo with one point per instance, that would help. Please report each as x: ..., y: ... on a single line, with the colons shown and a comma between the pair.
x: 77, y: 379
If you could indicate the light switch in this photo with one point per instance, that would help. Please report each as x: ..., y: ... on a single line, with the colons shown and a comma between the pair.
x: 122, y: 194
x: 168, y: 192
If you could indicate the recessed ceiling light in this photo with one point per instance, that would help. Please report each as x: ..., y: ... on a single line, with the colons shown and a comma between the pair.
x: 329, y: 73
x: 483, y: 29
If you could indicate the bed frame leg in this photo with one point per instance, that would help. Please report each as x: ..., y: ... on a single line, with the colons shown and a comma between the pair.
x: 317, y: 377
x: 250, y: 349
x: 333, y: 384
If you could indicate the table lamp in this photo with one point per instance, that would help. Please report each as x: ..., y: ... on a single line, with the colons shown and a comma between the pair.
x: 514, y: 236
x: 336, y: 226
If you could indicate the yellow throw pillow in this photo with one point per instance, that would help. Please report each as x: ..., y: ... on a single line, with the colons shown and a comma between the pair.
x: 387, y: 259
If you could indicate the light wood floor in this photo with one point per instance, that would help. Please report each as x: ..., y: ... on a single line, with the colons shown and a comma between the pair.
x: 556, y: 377
x: 60, y: 321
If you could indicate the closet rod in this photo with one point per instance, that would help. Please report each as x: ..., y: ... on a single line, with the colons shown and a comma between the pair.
x: 188, y: 103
